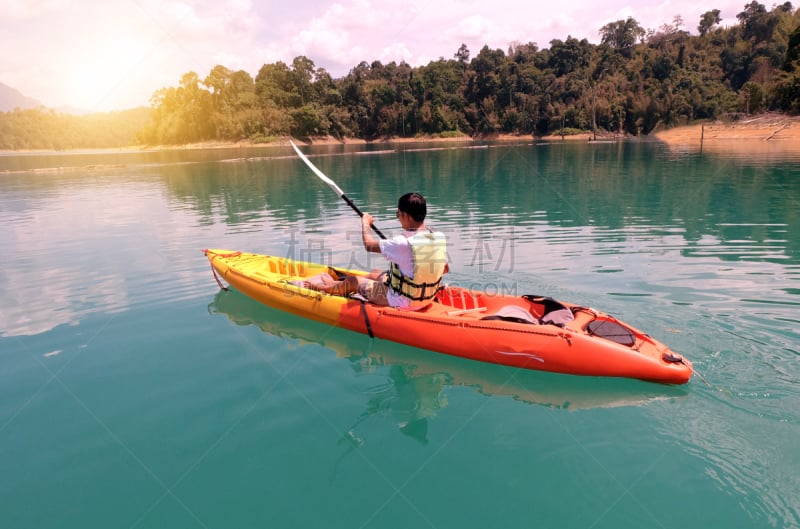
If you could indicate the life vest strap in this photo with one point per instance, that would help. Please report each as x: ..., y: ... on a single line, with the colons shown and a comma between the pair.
x: 400, y: 280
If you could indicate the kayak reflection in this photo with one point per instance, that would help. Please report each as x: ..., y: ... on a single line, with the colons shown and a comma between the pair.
x: 418, y: 377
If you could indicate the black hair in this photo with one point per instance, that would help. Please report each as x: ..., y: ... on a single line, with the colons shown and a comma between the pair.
x: 413, y: 204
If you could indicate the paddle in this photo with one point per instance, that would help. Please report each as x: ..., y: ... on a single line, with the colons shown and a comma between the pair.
x: 333, y: 186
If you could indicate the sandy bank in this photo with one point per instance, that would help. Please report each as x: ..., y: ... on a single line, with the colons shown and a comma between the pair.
x: 511, y: 138
x: 751, y: 134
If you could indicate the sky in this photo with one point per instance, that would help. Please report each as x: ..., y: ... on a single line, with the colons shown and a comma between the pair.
x: 102, y: 55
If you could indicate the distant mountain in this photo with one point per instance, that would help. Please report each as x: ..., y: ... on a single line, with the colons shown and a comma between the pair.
x: 11, y: 98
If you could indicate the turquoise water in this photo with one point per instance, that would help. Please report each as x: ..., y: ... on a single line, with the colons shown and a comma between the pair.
x: 136, y: 394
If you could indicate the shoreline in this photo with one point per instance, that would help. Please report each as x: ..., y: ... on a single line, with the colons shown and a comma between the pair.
x: 283, y: 141
x: 751, y: 134
x: 330, y: 140
x: 754, y: 134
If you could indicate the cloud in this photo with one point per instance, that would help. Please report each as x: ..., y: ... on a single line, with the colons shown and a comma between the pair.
x: 29, y: 9
x: 342, y: 35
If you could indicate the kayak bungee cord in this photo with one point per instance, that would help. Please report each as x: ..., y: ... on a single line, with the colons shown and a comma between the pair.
x: 333, y: 186
x: 211, y: 261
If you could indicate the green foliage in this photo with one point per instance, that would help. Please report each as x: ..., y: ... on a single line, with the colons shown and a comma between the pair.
x: 622, y: 34
x: 786, y: 94
x: 48, y: 130
x: 633, y: 81
x: 792, y: 51
x: 708, y: 21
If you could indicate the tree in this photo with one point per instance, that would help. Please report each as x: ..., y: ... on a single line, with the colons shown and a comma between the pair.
x: 787, y: 93
x: 274, y: 85
x: 323, y: 88
x: 523, y: 53
x: 234, y: 112
x: 792, y: 50
x: 303, y: 74
x: 752, y: 11
x: 736, y: 64
x: 758, y: 24
x: 217, y: 79
x: 486, y: 65
x: 462, y: 55
x: 308, y: 121
x: 667, y: 35
x: 708, y: 20
x: 622, y: 34
x: 751, y: 97
x: 566, y: 57
x: 182, y: 114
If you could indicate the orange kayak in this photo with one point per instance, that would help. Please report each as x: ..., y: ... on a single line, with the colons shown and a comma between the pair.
x: 531, y: 332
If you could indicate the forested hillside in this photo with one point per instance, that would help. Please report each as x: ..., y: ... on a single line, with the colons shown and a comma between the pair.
x: 632, y: 81
x: 47, y: 129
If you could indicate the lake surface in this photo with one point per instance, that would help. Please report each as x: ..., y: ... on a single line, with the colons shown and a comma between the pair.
x: 134, y: 393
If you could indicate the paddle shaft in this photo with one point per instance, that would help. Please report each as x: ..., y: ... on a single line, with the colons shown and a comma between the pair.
x: 333, y: 186
x: 360, y: 214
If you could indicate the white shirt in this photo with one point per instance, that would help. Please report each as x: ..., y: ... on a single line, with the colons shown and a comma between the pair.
x: 398, y: 250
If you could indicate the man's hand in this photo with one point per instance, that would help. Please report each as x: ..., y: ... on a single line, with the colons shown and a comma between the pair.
x: 371, y: 244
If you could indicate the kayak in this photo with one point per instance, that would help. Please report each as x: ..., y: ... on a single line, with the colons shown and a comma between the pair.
x: 530, y: 332
x: 418, y: 376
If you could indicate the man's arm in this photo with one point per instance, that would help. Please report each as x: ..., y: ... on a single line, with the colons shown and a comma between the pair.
x: 371, y: 244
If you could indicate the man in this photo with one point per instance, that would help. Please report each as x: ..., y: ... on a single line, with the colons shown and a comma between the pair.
x: 417, y: 261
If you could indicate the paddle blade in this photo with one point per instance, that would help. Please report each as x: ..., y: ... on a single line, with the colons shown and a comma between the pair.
x: 317, y: 172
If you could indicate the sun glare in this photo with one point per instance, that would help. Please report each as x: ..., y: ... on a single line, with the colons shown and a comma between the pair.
x: 102, y: 80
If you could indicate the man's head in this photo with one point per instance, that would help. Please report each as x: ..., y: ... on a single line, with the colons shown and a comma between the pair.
x: 414, y: 205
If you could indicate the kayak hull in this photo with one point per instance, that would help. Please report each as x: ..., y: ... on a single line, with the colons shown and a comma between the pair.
x: 456, y: 323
